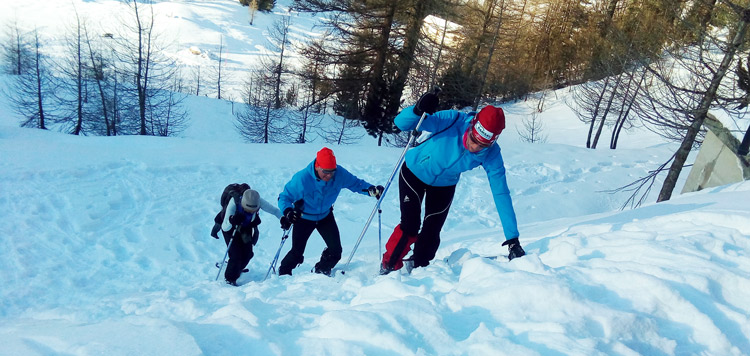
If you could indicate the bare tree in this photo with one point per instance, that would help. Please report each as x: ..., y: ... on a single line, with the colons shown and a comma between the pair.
x: 95, y: 55
x: 628, y: 99
x: 533, y: 128
x: 279, y: 38
x: 195, y: 71
x: 167, y: 117
x: 217, y: 72
x: 17, y: 52
x: 30, y: 93
x: 314, y: 92
x: 73, y: 70
x: 587, y: 102
x: 252, y: 8
x: 140, y: 50
x: 257, y: 120
x: 612, y: 94
x: 343, y: 131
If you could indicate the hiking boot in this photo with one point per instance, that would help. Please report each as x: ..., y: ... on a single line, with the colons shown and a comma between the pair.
x: 321, y: 270
x: 325, y: 271
x: 385, y: 270
x: 231, y: 283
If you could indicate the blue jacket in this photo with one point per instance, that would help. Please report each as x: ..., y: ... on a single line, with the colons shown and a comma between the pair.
x: 318, y: 194
x: 440, y: 160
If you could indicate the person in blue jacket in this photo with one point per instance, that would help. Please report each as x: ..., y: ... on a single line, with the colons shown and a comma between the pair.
x: 318, y: 185
x: 459, y: 142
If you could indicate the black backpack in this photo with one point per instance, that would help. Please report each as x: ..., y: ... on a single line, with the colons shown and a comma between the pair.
x: 233, y: 190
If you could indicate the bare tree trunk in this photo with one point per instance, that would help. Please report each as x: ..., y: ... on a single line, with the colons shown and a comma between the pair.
x: 99, y: 77
x: 38, y: 72
x: 267, y: 123
x: 102, y: 96
x: 596, y: 112
x: 139, y: 73
x: 606, y: 111
x: 483, y: 75
x: 373, y: 108
x: 79, y: 78
x: 624, y: 113
x: 440, y: 52
x: 405, y: 59
x: 283, y: 37
x: 221, y: 63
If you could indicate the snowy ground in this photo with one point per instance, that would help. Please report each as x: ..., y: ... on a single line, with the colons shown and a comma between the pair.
x: 104, y: 248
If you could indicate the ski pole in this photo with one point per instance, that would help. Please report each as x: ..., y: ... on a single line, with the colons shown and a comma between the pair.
x: 385, y: 190
x: 297, y: 207
x: 225, y: 258
x: 276, y: 258
x: 380, y: 236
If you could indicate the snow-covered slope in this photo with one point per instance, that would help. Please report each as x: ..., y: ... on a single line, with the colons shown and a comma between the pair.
x: 105, y: 249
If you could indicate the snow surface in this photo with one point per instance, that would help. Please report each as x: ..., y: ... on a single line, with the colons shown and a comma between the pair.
x: 105, y: 249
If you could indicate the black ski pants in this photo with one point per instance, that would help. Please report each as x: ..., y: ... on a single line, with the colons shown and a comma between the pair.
x: 240, y: 253
x: 303, y: 228
x: 437, y: 203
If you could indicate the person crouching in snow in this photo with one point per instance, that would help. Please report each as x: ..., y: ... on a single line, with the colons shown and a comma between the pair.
x: 318, y: 185
x: 431, y: 171
x: 240, y: 223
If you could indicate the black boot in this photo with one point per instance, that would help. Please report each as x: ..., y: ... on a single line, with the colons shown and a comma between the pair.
x: 322, y: 269
x: 514, y: 248
x: 384, y: 269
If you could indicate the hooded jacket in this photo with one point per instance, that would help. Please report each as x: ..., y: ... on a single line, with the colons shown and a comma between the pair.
x: 318, y: 194
x: 440, y: 160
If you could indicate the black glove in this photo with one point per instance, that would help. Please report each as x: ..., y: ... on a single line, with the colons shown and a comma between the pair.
x: 292, y: 215
x: 285, y: 224
x: 215, y: 231
x: 427, y: 103
x: 375, y: 192
x: 514, y: 248
x: 236, y: 219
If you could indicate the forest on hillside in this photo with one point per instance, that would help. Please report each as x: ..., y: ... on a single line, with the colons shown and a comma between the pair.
x: 660, y: 63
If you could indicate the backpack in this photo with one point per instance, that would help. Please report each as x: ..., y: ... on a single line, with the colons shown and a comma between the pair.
x: 233, y: 190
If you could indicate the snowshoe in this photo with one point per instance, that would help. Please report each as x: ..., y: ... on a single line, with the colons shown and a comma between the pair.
x: 408, y: 265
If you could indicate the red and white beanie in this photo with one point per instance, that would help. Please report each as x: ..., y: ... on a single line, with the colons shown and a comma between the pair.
x: 488, y: 124
x: 325, y: 159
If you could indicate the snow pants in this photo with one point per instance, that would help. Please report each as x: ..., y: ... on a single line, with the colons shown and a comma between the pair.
x: 240, y: 253
x: 303, y: 228
x: 437, y: 202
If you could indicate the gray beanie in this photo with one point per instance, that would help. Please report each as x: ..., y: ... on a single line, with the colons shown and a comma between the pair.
x: 250, y: 200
